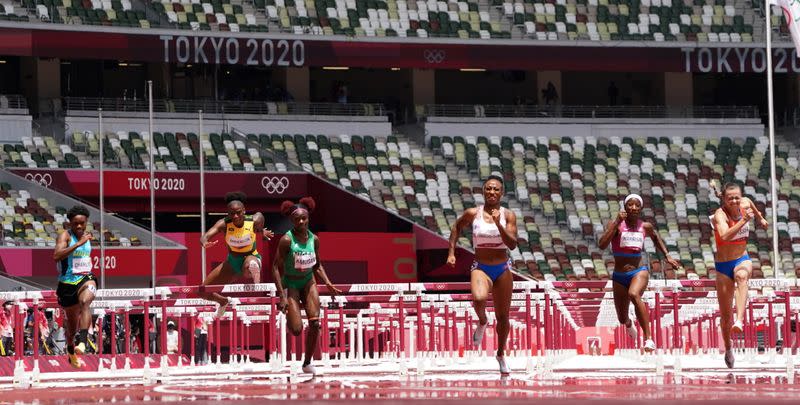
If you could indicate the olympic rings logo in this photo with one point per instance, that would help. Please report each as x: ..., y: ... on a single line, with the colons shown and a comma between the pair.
x: 434, y: 56
x: 275, y: 185
x: 43, y: 179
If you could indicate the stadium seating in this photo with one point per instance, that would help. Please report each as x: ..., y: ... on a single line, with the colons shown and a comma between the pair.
x: 392, y: 18
x: 659, y: 20
x: 563, y: 190
x: 129, y: 150
x: 606, y: 20
x: 33, y: 222
x: 577, y: 186
x: 40, y: 152
x: 91, y: 12
x: 213, y: 15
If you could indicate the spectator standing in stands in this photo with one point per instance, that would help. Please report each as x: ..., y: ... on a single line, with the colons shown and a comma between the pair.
x: 613, y: 93
x: 341, y: 93
x: 550, y: 94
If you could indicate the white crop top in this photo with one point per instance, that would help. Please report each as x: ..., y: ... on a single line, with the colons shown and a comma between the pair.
x: 485, y: 235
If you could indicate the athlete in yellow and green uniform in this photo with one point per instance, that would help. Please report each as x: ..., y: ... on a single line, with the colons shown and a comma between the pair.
x: 241, y: 233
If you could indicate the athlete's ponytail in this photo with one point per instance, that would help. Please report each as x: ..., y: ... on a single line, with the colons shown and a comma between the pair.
x: 714, y: 189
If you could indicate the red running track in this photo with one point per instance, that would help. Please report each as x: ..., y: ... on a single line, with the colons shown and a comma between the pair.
x: 482, y: 388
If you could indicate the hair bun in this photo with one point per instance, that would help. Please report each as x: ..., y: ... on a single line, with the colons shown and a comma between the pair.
x: 309, y: 203
x: 235, y: 196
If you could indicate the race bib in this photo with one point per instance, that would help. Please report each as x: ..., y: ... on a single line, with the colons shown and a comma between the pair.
x: 488, y: 240
x: 744, y: 232
x: 631, y: 240
x: 81, y: 265
x: 240, y: 242
x: 304, y: 260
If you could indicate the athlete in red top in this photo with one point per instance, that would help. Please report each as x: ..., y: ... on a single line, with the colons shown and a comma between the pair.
x: 626, y: 235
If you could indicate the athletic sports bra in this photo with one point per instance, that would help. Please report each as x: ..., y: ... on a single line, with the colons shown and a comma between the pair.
x: 241, y: 240
x: 740, y: 238
x: 78, y: 264
x: 628, y: 242
x: 485, y: 235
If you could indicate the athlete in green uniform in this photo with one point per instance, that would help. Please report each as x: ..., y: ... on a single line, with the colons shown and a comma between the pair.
x: 297, y: 259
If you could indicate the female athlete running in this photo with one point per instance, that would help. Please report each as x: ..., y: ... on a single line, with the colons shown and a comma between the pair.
x: 76, y: 284
x: 240, y: 235
x: 626, y: 235
x: 731, y: 223
x: 494, y: 232
x: 297, y: 259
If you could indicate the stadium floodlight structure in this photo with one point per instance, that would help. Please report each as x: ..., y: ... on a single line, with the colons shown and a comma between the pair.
x: 202, y: 192
x: 776, y: 257
x: 152, y: 189
x: 102, y: 201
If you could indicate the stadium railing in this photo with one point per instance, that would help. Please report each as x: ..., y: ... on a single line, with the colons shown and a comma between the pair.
x: 13, y: 104
x: 223, y: 107
x: 579, y: 111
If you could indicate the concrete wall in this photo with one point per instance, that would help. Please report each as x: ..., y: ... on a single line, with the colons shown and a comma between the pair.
x: 599, y: 128
x: 13, y: 127
x: 175, y: 122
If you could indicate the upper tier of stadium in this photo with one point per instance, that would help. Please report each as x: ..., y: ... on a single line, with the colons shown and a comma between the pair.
x: 563, y: 20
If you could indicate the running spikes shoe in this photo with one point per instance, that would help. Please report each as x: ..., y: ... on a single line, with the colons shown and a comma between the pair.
x: 729, y: 358
x: 501, y: 361
x: 309, y: 368
x: 221, y: 309
x: 632, y: 331
x: 75, y: 361
x: 477, y: 336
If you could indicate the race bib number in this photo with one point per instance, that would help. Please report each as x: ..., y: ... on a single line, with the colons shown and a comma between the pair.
x: 631, y: 240
x: 81, y: 265
x: 744, y: 232
x: 240, y: 242
x: 490, y: 240
x: 304, y: 260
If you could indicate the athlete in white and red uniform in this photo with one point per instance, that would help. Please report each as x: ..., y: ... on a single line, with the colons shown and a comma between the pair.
x: 494, y: 230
